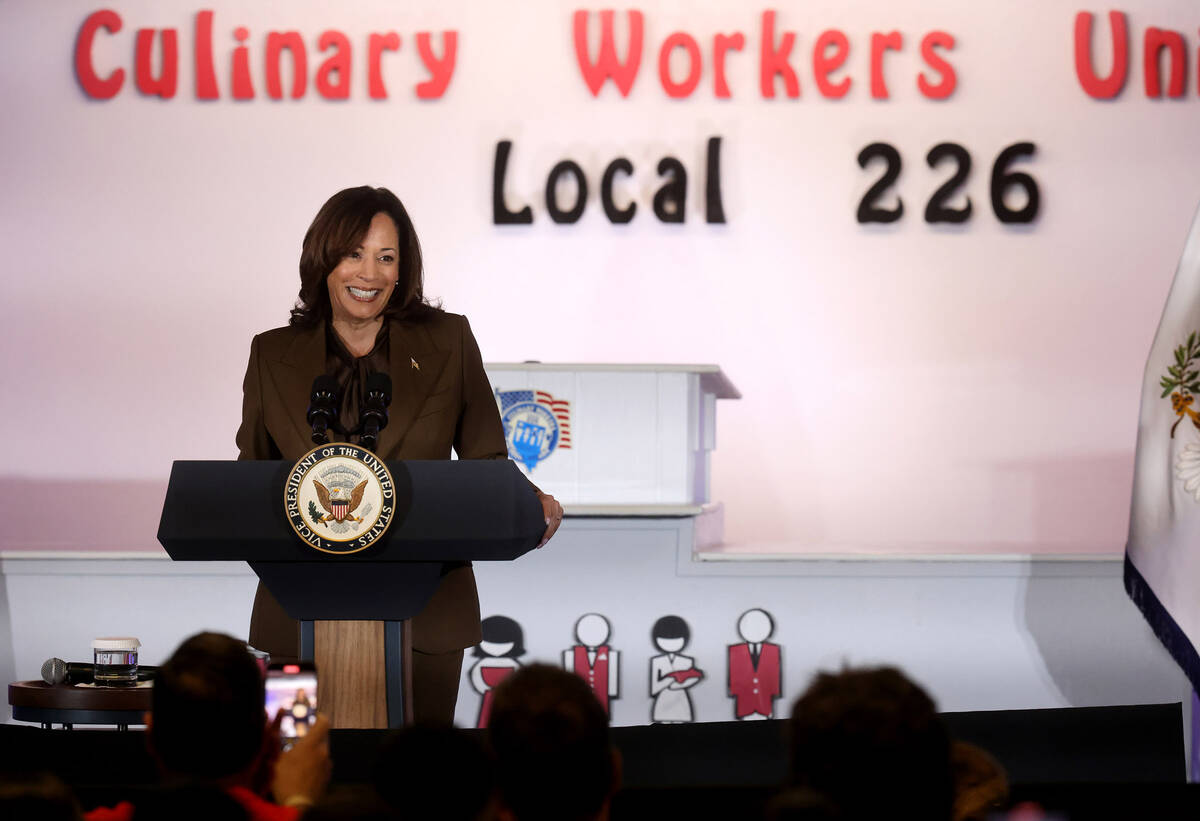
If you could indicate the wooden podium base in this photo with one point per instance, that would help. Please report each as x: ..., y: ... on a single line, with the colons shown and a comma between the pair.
x: 364, y: 672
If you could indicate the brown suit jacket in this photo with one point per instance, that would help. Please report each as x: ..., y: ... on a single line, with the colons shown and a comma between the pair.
x: 441, y: 399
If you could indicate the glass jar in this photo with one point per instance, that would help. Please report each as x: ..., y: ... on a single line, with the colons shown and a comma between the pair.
x: 115, y: 661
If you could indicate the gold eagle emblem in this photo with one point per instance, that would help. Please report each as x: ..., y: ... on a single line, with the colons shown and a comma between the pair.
x: 338, y: 508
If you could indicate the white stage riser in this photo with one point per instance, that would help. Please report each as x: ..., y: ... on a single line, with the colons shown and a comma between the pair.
x: 979, y: 635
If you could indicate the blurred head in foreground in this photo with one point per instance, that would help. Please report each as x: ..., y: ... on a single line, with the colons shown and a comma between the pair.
x: 188, y: 801
x: 39, y: 796
x: 435, y: 772
x: 207, y: 718
x: 980, y: 783
x: 871, y: 741
x: 554, y: 756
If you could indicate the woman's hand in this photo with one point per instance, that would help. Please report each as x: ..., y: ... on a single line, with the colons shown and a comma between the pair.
x: 553, y: 512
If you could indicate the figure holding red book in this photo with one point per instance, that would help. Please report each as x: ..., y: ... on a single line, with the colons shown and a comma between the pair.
x: 672, y: 674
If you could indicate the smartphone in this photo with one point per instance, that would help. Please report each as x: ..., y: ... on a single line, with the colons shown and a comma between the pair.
x: 292, y: 688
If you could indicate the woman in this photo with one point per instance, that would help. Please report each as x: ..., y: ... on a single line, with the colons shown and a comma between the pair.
x: 361, y: 309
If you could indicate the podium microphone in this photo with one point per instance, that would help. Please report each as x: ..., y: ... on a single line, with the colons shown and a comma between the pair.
x: 374, y: 409
x: 322, y: 408
x: 57, y: 671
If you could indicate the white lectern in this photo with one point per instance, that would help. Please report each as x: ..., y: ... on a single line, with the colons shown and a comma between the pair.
x: 614, y: 440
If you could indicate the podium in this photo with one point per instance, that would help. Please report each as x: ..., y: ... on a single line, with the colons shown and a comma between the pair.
x: 445, y: 511
x: 632, y: 439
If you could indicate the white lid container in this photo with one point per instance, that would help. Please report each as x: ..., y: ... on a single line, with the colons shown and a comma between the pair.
x: 116, y: 643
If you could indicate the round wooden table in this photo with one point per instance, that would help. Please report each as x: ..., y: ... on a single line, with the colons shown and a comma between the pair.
x: 66, y: 704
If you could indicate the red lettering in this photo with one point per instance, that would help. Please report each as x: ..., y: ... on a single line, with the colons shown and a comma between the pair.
x: 337, y: 64
x: 206, y: 77
x: 880, y: 44
x: 1110, y: 86
x: 607, y: 64
x: 1154, y: 42
x: 164, y: 84
x: 93, y: 85
x: 243, y: 89
x: 679, y: 40
x: 377, y: 44
x: 440, y: 71
x: 723, y: 43
x: 825, y: 64
x: 277, y: 41
x: 774, y: 61
x: 942, y: 90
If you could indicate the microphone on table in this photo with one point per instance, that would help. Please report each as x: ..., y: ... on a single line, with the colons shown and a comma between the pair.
x: 374, y: 409
x: 57, y: 671
x: 322, y: 407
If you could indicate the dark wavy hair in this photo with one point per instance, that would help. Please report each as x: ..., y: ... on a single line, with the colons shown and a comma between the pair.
x: 337, y: 230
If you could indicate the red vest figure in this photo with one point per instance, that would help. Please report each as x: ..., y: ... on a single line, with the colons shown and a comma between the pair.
x: 595, y: 672
x: 593, y: 660
x: 755, y: 668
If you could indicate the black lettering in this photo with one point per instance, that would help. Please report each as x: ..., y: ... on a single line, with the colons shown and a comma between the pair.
x: 500, y: 213
x: 714, y: 210
x: 581, y: 191
x: 673, y: 193
x: 617, y: 216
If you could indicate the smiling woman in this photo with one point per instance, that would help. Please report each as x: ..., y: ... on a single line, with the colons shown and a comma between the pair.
x: 362, y: 309
x: 364, y: 281
x: 361, y: 231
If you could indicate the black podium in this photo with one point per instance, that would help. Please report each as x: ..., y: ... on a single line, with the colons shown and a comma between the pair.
x: 445, y: 511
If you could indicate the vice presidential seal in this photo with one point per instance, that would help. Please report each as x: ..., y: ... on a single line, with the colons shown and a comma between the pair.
x: 339, y: 498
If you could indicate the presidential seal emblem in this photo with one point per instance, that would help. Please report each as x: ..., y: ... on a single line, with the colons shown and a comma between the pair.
x: 339, y: 498
x: 1181, y: 382
x: 535, y: 423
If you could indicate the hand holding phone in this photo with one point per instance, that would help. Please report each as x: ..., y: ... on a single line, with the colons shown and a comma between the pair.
x: 302, y: 773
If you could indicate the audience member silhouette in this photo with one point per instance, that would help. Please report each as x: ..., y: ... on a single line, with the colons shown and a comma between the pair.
x: 207, y: 726
x: 872, y: 743
x: 355, y: 802
x: 189, y: 801
x: 980, y: 783
x: 554, y: 756
x: 436, y: 773
x: 37, y: 797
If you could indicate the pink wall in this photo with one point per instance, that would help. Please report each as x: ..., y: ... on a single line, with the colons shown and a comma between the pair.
x: 907, y: 387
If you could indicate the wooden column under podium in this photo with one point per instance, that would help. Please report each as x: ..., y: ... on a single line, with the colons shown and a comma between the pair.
x: 351, y: 658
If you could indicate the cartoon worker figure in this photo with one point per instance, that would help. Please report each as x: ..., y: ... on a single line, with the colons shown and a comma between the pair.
x: 672, y: 674
x: 593, y: 660
x: 755, y: 674
x: 502, y: 643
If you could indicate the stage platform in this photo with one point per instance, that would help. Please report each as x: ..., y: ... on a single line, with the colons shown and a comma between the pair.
x: 1090, y: 759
